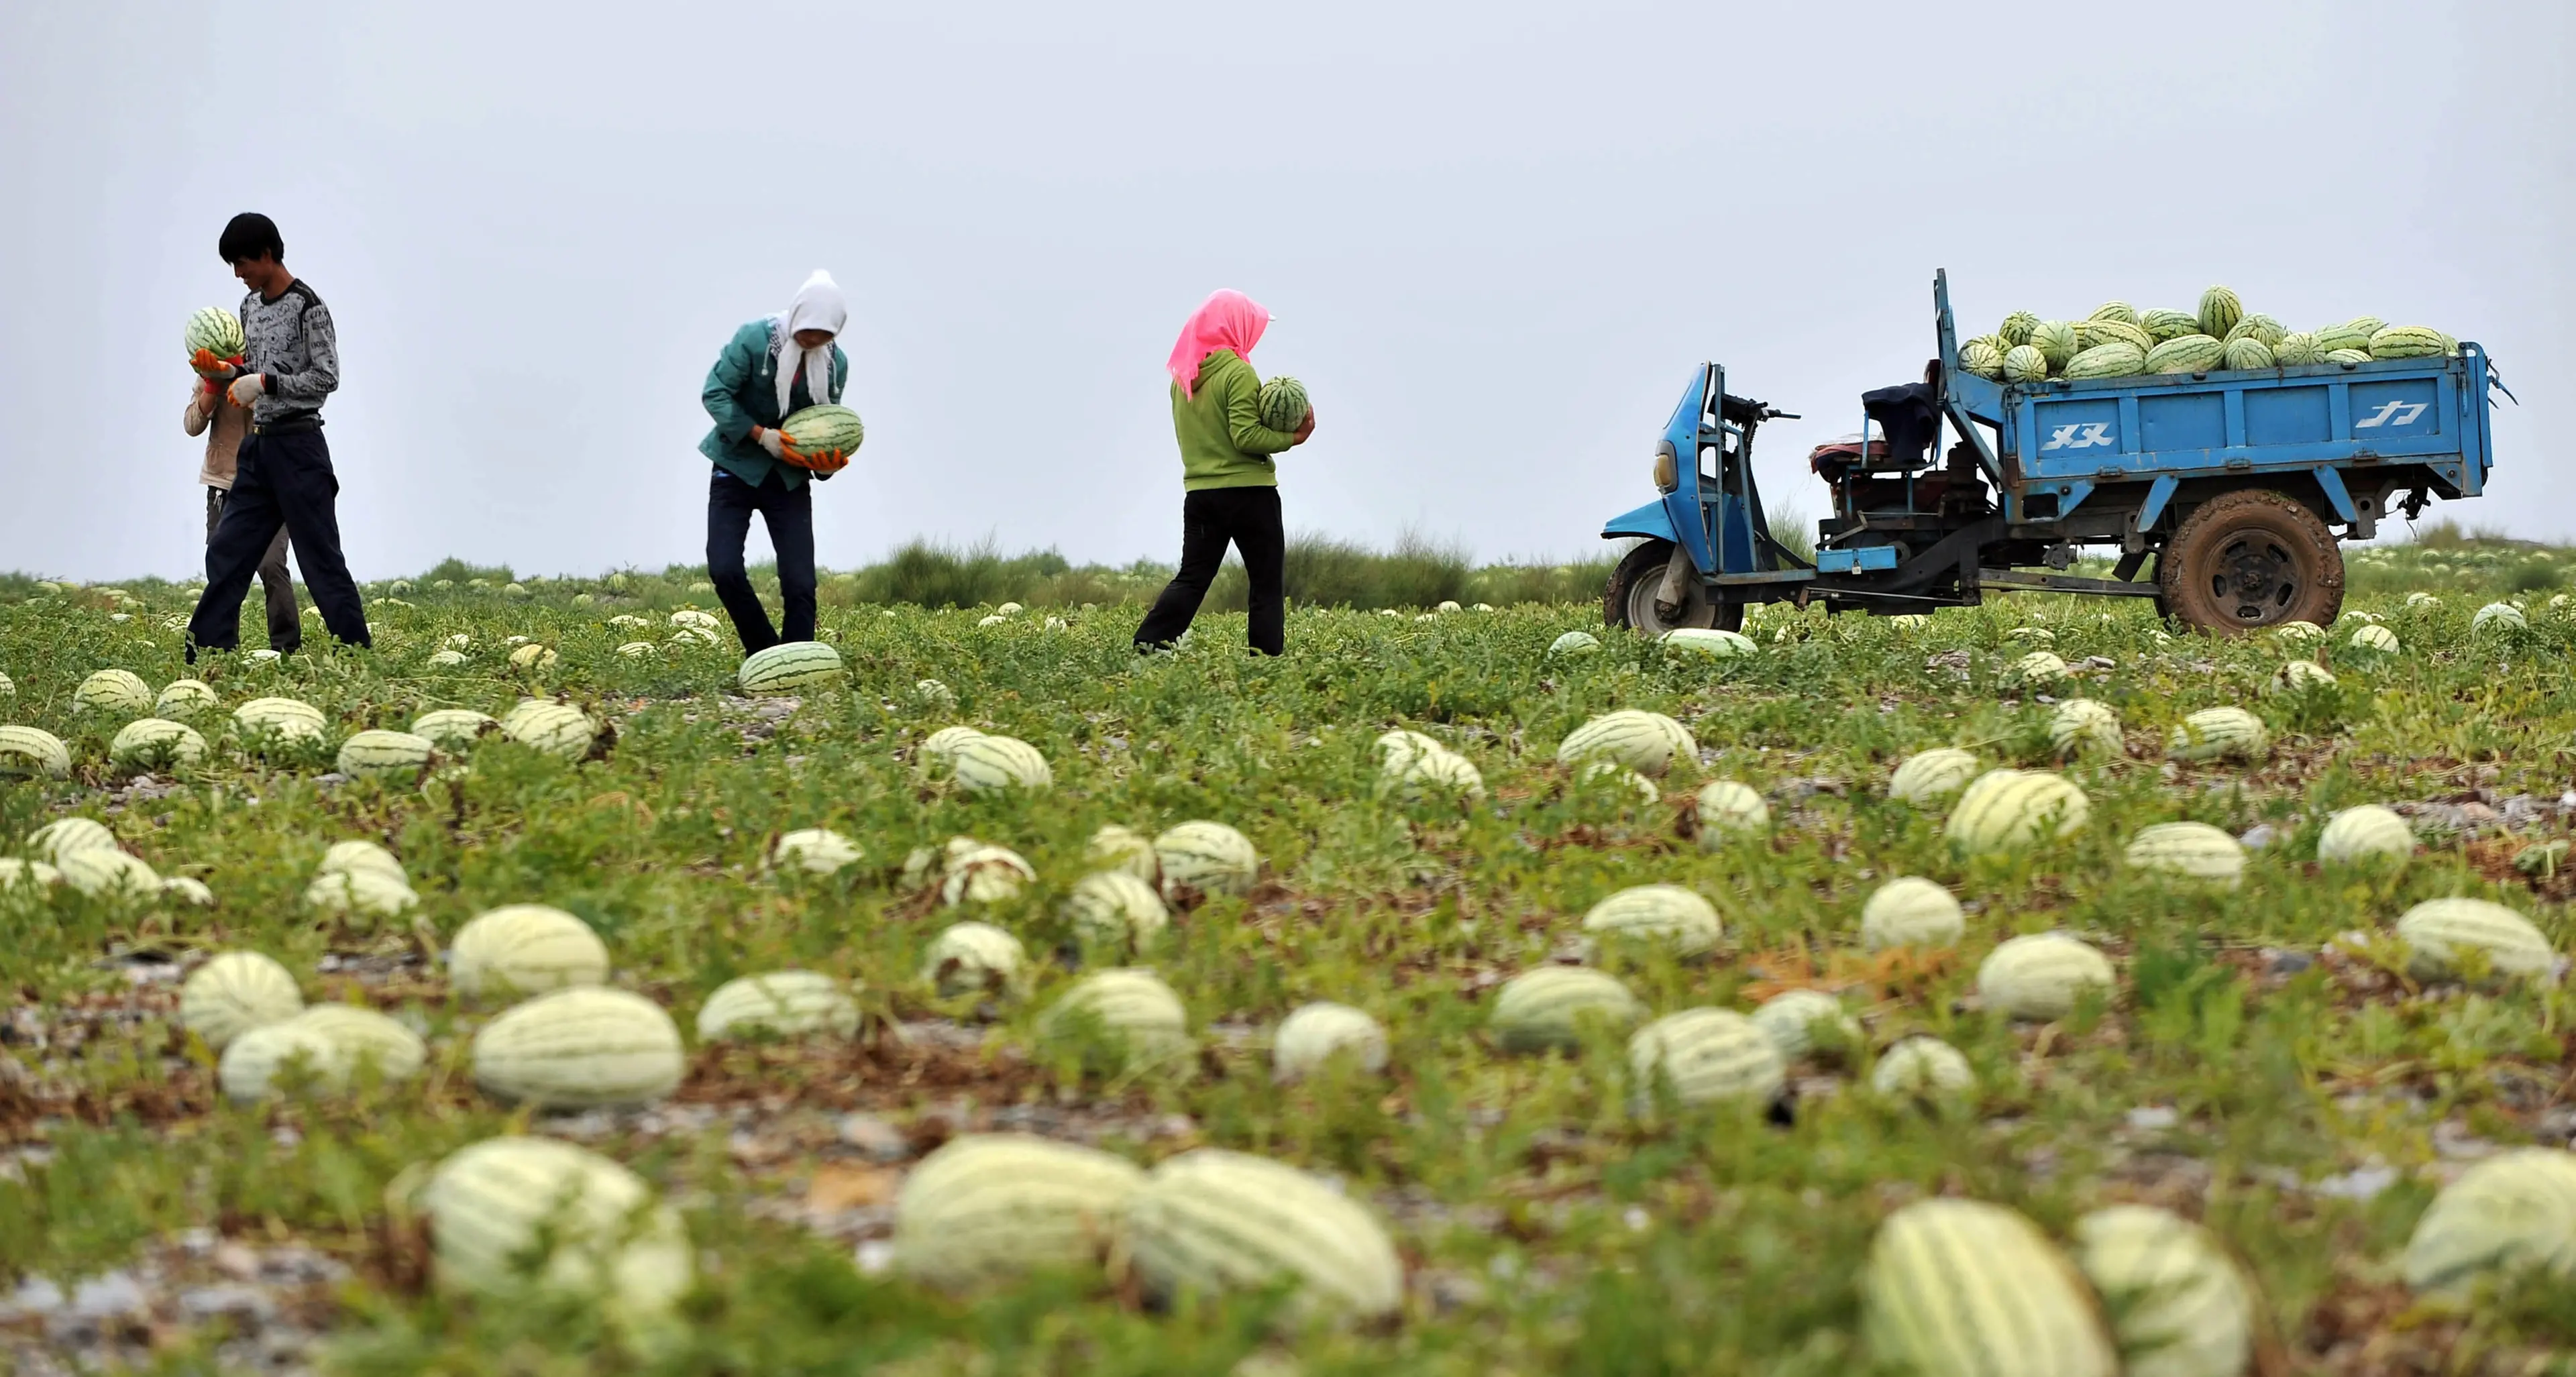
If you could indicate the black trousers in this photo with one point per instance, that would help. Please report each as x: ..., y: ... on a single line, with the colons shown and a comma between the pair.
x: 789, y: 514
x: 1210, y: 519
x: 285, y: 629
x: 278, y: 481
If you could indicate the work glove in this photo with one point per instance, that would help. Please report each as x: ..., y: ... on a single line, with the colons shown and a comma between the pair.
x: 774, y: 441
x: 824, y: 462
x: 214, y: 369
x: 248, y: 388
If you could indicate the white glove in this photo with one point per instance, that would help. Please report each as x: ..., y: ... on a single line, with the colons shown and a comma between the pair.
x: 768, y: 439
x: 248, y: 388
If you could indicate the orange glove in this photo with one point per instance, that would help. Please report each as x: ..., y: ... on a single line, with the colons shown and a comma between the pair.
x: 212, y: 368
x: 822, y: 461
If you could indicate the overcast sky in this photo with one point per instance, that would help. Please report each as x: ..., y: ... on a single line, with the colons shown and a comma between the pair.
x: 1498, y: 240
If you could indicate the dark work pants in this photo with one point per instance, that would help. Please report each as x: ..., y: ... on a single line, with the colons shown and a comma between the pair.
x: 285, y: 631
x: 790, y: 518
x: 1210, y: 518
x: 278, y: 481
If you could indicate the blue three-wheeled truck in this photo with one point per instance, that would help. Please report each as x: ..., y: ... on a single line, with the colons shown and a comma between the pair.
x: 2233, y: 483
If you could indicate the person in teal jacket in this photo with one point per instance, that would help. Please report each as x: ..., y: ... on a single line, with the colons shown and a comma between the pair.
x: 766, y: 374
x: 1229, y: 474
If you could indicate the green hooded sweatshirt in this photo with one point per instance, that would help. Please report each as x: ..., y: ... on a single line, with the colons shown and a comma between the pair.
x: 1223, y: 442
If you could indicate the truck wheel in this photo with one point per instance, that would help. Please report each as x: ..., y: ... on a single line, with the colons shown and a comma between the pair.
x: 2248, y: 559
x: 1629, y: 600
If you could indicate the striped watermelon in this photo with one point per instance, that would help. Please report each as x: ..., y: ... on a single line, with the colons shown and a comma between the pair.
x: 2163, y: 324
x: 2410, y: 342
x: 1932, y: 775
x: 213, y: 330
x: 453, y: 729
x: 2220, y: 309
x: 1123, y: 849
x: 2257, y: 327
x: 989, y: 1206
x: 556, y: 729
x: 1207, y: 856
x: 2056, y: 339
x: 235, y: 992
x: 1641, y: 740
x: 360, y: 893
x: 817, y: 429
x: 1921, y: 1068
x: 1728, y: 809
x: 101, y: 870
x: 2080, y: 726
x: 1213, y: 1221
x: 2297, y: 349
x: 1316, y: 1033
x: 259, y: 1063
x: 2093, y: 334
x: 2498, y: 616
x: 116, y: 692
x: 2353, y: 334
x: 2039, y: 667
x: 815, y: 850
x: 363, y: 1039
x: 2442, y: 932
x: 1961, y: 1288
x: 781, y: 1004
x: 2377, y: 640
x: 1911, y: 911
x: 2220, y: 734
x: 522, y: 949
x: 937, y: 752
x: 1801, y: 1022
x: 512, y: 1215
x: 2187, y: 850
x: 2009, y: 809
x: 1121, y: 1020
x: 63, y: 836
x: 790, y: 666
x: 1982, y: 358
x: 183, y: 698
x: 2117, y: 312
x: 2178, y: 1304
x: 1283, y: 404
x: 1668, y: 916
x: 2025, y: 364
x: 1714, y: 643
x: 988, y: 764
x: 2117, y: 359
x: 154, y: 743
x: 2042, y: 976
x: 275, y: 722
x: 384, y: 755
x: 2365, y: 833
x: 2017, y: 328
x: 2512, y: 1214
x: 2247, y: 353
x: 1438, y: 773
x: 1573, y: 643
x: 580, y: 1048
x: 2347, y: 357
x: 974, y: 958
x: 2187, y: 354
x: 2302, y: 676
x: 1548, y: 1008
x: 532, y: 656
x: 1705, y: 1056
x: 28, y: 876
x: 1113, y: 909
x: 356, y: 854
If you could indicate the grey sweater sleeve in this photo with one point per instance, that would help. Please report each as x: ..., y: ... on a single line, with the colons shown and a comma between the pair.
x: 320, y: 376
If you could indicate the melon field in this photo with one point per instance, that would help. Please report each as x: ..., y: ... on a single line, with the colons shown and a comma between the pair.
x: 1462, y: 1170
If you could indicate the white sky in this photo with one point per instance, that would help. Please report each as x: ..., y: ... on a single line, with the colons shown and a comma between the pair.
x: 1498, y: 238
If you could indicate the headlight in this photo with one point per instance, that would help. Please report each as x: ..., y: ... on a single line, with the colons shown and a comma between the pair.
x: 1667, y: 473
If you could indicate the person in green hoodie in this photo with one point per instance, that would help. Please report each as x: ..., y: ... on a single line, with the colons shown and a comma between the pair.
x: 1229, y: 478
x: 771, y: 369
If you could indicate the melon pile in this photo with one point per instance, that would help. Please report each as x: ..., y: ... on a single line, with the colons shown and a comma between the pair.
x: 2118, y: 340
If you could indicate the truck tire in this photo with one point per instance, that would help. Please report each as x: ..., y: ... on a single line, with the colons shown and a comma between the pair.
x: 1629, y: 600
x: 2250, y: 559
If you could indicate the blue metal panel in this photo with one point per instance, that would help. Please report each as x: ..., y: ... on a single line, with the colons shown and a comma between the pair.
x: 1650, y: 521
x: 2077, y: 435
x: 2288, y: 416
x: 2337, y: 495
x: 1862, y: 557
x: 2188, y: 420
x: 2159, y: 493
x: 2399, y: 408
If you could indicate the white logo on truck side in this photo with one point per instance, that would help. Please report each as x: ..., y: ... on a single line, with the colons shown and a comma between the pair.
x: 2081, y: 436
x: 2392, y: 414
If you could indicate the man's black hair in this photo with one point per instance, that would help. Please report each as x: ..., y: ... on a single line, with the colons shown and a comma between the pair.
x: 249, y: 235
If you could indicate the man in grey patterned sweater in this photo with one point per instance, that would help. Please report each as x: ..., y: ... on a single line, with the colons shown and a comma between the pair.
x: 283, y: 476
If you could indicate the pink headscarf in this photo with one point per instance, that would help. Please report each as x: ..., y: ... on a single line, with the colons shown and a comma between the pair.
x: 1226, y: 320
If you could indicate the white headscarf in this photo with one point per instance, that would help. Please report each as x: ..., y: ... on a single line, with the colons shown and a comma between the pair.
x: 818, y: 307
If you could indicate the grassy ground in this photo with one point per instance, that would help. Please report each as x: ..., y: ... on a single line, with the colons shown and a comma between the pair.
x: 2265, y: 1066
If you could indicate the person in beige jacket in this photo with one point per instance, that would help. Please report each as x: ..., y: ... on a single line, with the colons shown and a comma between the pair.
x: 224, y: 426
